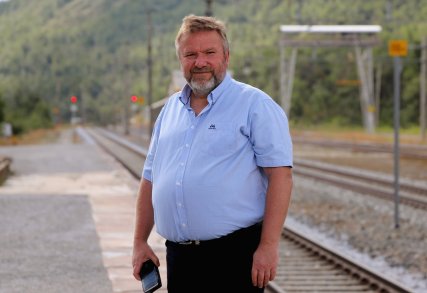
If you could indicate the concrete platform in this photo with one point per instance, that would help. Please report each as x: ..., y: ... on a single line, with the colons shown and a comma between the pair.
x: 67, y: 219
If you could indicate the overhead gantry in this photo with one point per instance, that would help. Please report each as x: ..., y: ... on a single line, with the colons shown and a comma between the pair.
x: 361, y: 37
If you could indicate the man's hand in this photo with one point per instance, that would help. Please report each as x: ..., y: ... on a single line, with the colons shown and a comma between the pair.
x: 141, y: 253
x: 264, y: 266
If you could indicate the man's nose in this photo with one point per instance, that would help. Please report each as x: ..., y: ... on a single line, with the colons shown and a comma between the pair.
x: 201, y: 61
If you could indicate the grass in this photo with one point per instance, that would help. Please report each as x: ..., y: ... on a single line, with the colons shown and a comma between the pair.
x: 38, y: 136
x: 410, y: 135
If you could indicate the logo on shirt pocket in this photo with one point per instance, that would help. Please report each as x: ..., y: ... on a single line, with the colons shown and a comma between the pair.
x: 219, y: 138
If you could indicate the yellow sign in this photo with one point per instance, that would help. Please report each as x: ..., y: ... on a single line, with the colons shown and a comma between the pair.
x: 371, y: 108
x: 398, y: 48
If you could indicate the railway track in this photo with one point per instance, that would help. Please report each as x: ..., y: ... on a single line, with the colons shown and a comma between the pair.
x: 305, y: 265
x: 411, y: 194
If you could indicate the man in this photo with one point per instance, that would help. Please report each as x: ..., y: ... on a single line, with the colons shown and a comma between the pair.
x: 217, y: 179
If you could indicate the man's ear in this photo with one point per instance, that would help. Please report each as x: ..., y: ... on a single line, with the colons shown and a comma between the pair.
x: 227, y: 57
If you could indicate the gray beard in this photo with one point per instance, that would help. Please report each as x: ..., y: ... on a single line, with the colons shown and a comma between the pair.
x: 203, y: 88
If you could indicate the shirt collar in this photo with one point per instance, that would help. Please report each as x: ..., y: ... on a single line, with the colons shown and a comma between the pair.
x: 212, y: 97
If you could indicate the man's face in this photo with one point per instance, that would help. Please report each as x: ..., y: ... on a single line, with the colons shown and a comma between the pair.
x: 203, y: 60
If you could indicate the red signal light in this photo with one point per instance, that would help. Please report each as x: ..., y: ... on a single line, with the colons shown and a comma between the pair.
x: 134, y: 99
x: 73, y: 99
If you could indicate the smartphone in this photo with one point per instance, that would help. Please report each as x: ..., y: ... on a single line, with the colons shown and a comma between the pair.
x: 150, y: 277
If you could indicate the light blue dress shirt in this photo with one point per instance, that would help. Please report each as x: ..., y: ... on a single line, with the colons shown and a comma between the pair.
x: 206, y: 170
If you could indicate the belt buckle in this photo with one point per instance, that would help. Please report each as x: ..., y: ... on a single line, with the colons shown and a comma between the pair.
x: 190, y: 242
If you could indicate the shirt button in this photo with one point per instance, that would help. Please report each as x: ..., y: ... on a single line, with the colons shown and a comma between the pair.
x: 178, y: 183
x: 181, y: 164
x: 187, y: 145
x: 180, y: 204
x: 192, y: 127
x: 183, y: 225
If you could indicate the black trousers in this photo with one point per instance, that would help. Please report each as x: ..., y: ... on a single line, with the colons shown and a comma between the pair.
x: 220, y: 265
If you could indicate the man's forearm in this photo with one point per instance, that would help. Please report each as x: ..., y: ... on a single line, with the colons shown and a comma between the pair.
x: 266, y: 257
x: 144, y: 222
x: 277, y: 203
x: 144, y: 218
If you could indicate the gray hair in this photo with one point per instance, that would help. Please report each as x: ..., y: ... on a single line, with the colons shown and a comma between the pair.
x: 193, y: 23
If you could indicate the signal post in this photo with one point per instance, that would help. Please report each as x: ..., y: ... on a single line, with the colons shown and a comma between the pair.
x: 397, y: 49
x: 74, y: 108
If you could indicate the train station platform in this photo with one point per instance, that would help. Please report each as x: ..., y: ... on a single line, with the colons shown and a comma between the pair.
x: 67, y: 220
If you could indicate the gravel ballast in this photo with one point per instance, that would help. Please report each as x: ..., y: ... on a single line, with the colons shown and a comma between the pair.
x: 363, y: 227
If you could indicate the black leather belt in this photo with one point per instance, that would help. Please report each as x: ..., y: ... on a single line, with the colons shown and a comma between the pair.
x: 191, y: 242
x: 256, y: 228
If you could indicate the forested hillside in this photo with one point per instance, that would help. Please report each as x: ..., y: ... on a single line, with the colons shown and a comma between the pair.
x: 97, y: 51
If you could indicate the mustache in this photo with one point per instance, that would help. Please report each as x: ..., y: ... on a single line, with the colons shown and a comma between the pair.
x: 201, y: 70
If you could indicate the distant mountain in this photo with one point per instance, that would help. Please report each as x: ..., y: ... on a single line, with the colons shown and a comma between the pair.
x: 97, y: 50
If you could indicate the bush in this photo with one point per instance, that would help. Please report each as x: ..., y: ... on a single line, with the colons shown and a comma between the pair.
x: 28, y: 112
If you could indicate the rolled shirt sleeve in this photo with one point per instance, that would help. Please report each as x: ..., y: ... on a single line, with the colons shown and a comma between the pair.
x: 148, y: 164
x: 269, y: 134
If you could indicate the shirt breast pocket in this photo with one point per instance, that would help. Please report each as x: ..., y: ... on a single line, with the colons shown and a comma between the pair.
x: 219, y: 138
